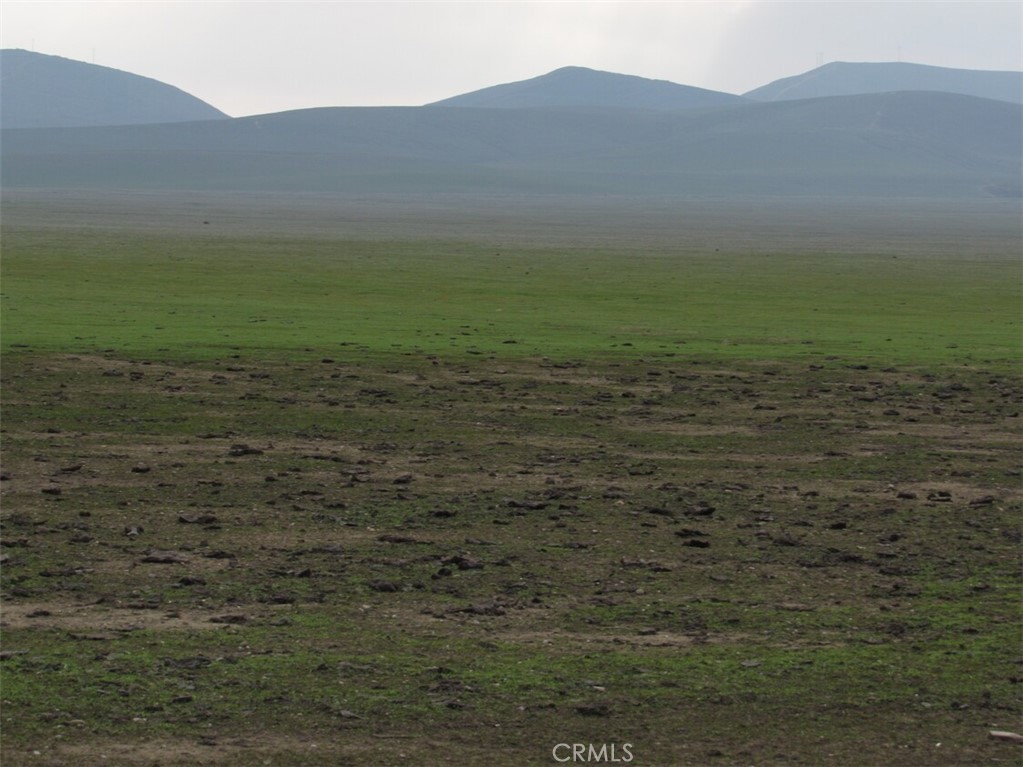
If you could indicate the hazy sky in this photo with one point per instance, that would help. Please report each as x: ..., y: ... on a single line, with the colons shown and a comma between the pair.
x: 254, y: 57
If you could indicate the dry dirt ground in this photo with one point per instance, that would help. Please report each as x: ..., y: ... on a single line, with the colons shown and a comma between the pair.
x: 413, y: 560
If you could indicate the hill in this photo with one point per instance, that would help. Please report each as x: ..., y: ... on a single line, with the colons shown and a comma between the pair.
x: 582, y: 87
x: 40, y: 91
x: 844, y: 78
x: 914, y: 144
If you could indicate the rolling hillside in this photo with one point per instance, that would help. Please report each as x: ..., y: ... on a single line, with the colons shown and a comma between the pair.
x: 582, y: 87
x: 889, y: 145
x: 40, y: 91
x: 845, y: 79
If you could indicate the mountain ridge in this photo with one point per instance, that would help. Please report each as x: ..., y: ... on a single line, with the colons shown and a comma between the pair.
x: 42, y: 91
x: 39, y: 90
x: 573, y: 131
x: 842, y: 78
x: 575, y: 86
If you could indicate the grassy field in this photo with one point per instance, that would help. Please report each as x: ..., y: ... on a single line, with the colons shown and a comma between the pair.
x: 323, y: 501
x: 199, y: 297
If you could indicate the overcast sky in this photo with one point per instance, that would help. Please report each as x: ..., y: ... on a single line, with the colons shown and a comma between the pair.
x: 255, y: 57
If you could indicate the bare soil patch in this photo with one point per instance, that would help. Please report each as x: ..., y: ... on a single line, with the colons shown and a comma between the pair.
x: 426, y: 562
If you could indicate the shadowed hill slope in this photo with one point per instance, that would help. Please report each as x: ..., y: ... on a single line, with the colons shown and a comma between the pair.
x: 40, y: 91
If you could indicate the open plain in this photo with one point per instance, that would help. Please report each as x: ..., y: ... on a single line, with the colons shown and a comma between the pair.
x: 370, y: 482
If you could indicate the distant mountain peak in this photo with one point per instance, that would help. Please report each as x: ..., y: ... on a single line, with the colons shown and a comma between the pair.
x: 43, y: 91
x: 576, y: 86
x: 846, y: 78
x: 573, y: 68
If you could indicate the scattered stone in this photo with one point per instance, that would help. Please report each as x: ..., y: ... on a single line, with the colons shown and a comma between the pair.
x: 220, y: 554
x: 280, y: 599
x: 463, y: 562
x: 196, y: 662
x: 330, y: 548
x: 688, y: 532
x: 660, y: 512
x: 489, y: 608
x: 385, y: 587
x: 63, y: 572
x: 511, y: 503
x: 796, y: 607
x: 243, y: 449
x: 785, y: 540
x: 140, y: 469
x: 701, y: 509
x: 641, y: 470
x: 1010, y: 737
x: 391, y: 538
x: 164, y: 557
x: 202, y: 519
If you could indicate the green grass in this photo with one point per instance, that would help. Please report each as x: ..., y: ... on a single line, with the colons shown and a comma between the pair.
x: 191, y: 297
